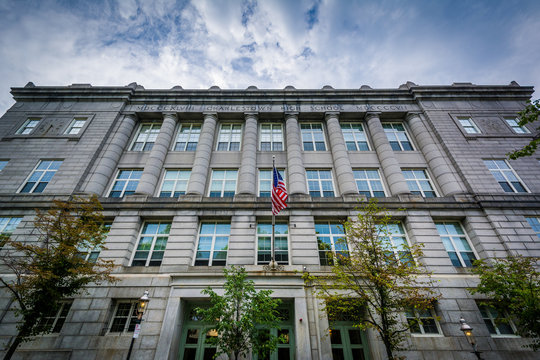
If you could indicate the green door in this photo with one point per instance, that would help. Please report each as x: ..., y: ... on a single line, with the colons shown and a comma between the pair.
x: 348, y: 343
x: 285, y: 349
x: 194, y: 345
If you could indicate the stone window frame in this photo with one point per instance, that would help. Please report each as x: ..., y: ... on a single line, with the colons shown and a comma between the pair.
x: 190, y: 133
x: 416, y: 181
x: 272, y: 142
x: 523, y: 130
x: 127, y: 326
x: 456, y: 249
x: 151, y: 135
x: 412, y: 314
x: 507, y: 181
x: 230, y: 136
x: 224, y: 180
x: 472, y: 125
x: 396, y: 133
x: 399, y: 254
x: 321, y: 191
x: 155, y: 237
x: 489, y: 316
x: 534, y: 223
x: 260, y: 179
x: 175, y: 184
x: 214, y: 237
x: 55, y: 322
x: 368, y: 180
x: 37, y: 182
x: 91, y: 254
x: 259, y: 236
x: 354, y: 135
x: 313, y: 140
x: 21, y: 130
x: 72, y: 125
x: 128, y: 180
x: 334, y: 237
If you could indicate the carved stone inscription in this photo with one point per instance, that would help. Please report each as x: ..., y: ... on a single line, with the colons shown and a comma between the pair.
x: 274, y: 108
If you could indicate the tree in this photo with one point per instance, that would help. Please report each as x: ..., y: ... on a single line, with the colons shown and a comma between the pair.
x: 375, y: 280
x: 241, y: 316
x: 45, y: 271
x: 513, y: 286
x: 528, y: 116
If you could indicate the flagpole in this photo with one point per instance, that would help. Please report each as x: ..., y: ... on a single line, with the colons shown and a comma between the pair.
x: 272, y: 259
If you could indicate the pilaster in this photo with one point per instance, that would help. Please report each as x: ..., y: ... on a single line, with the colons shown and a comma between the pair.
x: 199, y: 171
x: 297, y: 171
x: 248, y: 166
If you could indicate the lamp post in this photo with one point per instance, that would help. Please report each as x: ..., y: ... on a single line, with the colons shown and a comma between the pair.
x: 141, y: 307
x: 467, y: 330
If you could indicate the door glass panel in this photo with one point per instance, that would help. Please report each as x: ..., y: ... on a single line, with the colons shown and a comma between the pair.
x: 355, y: 337
x: 209, y: 354
x: 192, y: 336
x: 284, y: 354
x: 358, y: 354
x: 337, y: 354
x: 189, y: 353
x: 335, y: 336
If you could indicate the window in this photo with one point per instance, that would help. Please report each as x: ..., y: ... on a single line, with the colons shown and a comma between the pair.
x: 3, y: 164
x: 312, y: 137
x: 8, y: 224
x: 419, y: 183
x: 264, y: 245
x: 126, y: 183
x: 40, y: 177
x: 146, y: 137
x: 91, y: 254
x: 152, y: 243
x: 422, y: 321
x: 515, y: 126
x: 468, y: 125
x: 534, y: 222
x: 75, y: 127
x: 394, y: 236
x: 28, y: 126
x: 213, y: 244
x: 229, y: 137
x: 125, y: 317
x: 265, y: 181
x: 188, y: 137
x: 223, y: 183
x: 320, y: 183
x: 456, y: 243
x: 271, y: 138
x: 397, y: 136
x: 354, y: 136
x: 174, y: 183
x: 54, y: 321
x: 497, y: 323
x: 505, y: 176
x: 369, y: 182
x: 331, y: 242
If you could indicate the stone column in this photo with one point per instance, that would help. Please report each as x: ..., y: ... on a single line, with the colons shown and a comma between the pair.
x: 342, y: 164
x: 297, y: 172
x: 389, y: 164
x: 156, y: 158
x: 109, y: 161
x: 441, y: 170
x: 199, y: 171
x: 248, y: 166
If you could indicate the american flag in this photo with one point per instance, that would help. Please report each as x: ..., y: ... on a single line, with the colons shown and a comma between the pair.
x: 279, y: 193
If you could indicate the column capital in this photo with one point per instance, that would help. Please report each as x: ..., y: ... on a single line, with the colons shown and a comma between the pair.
x: 329, y: 114
x: 411, y: 114
x: 169, y: 113
x: 291, y: 114
x: 251, y: 113
x: 372, y: 114
x: 210, y: 114
x: 131, y: 114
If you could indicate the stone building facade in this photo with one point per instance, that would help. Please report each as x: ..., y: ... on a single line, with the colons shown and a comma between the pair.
x: 184, y: 177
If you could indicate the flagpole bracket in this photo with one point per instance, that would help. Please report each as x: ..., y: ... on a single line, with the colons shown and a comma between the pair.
x: 273, y: 266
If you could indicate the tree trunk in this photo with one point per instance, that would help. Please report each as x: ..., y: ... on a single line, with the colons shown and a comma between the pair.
x: 388, y: 348
x: 14, y: 345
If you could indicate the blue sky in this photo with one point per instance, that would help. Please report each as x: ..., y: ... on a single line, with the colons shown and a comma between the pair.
x: 270, y: 44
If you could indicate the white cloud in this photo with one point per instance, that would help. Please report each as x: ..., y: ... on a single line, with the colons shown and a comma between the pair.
x: 202, y: 43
